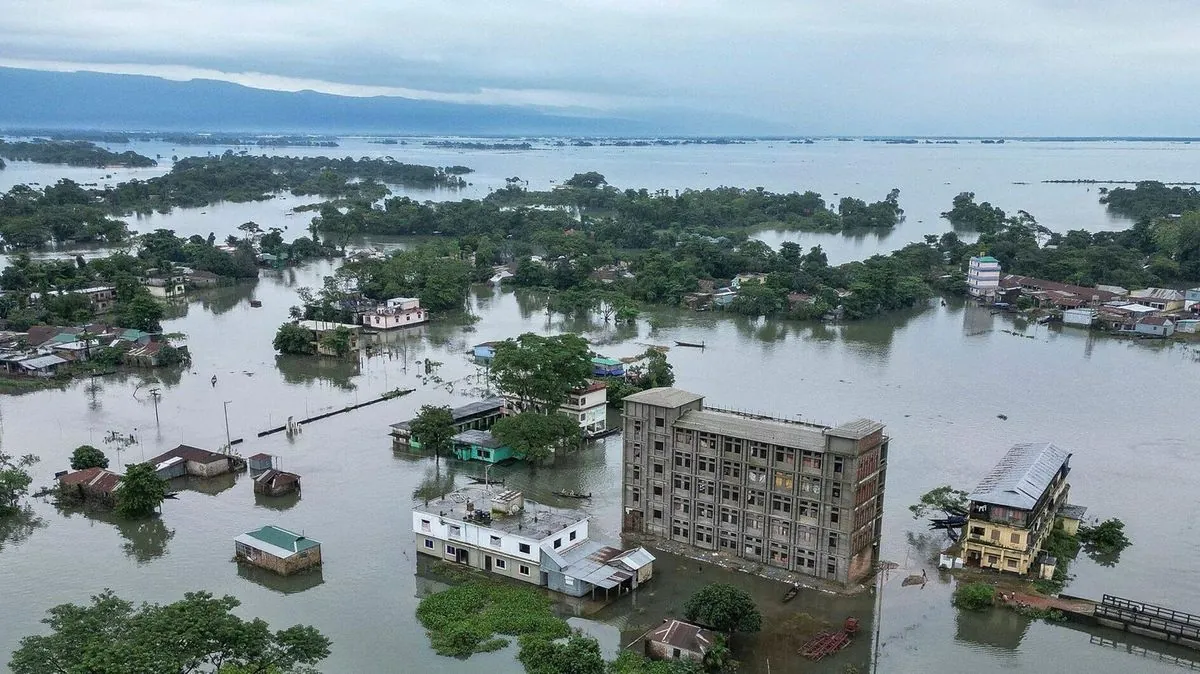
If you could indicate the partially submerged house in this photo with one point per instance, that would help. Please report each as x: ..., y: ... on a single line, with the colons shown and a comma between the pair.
x: 1155, y: 326
x: 603, y: 366
x: 500, y: 532
x: 260, y: 462
x: 90, y: 484
x: 35, y: 366
x: 321, y: 329
x: 277, y: 549
x: 589, y: 407
x: 398, y: 312
x: 276, y: 483
x: 678, y: 640
x: 478, y: 445
x: 188, y: 460
x: 479, y: 415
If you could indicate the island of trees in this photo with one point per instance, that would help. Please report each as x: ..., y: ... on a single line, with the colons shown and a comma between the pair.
x: 71, y: 153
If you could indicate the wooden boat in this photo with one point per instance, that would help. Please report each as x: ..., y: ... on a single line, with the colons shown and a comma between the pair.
x: 256, y: 303
x: 791, y: 593
x: 480, y: 480
x: 572, y: 494
x: 691, y: 344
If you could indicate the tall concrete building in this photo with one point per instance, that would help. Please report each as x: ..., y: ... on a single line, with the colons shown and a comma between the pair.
x: 983, y: 277
x: 799, y: 496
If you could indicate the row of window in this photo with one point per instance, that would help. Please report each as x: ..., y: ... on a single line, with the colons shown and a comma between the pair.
x: 498, y: 563
x: 776, y: 528
x: 782, y: 481
x: 455, y: 531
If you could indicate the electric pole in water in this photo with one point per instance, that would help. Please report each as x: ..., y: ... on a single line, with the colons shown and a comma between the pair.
x: 228, y: 441
x: 155, y: 394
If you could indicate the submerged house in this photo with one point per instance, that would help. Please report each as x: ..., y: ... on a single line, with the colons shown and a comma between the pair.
x: 478, y: 445
x: 90, y: 484
x: 273, y: 482
x: 500, y: 532
x: 321, y: 329
x: 1155, y: 326
x: 603, y: 366
x: 277, y: 549
x: 479, y: 415
x: 678, y: 640
x: 188, y: 460
x: 398, y: 312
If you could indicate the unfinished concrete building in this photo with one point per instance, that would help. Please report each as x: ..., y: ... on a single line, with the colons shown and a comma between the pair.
x: 795, y: 495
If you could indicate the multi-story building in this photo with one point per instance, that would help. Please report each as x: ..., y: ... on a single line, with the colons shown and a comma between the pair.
x: 1013, y: 509
x: 589, y: 407
x: 502, y: 533
x: 798, y: 496
x: 398, y: 312
x: 983, y: 277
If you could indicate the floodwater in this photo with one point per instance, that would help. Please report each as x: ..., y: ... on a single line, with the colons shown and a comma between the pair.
x: 938, y: 377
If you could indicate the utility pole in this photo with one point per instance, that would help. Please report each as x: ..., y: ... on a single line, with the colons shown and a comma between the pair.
x: 228, y: 441
x: 155, y: 394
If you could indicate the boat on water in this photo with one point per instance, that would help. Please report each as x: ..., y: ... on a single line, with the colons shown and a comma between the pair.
x: 791, y: 593
x: 569, y: 493
x: 480, y: 480
x: 691, y: 344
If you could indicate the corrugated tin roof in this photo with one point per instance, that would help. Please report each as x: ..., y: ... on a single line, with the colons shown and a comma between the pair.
x: 664, y: 397
x: 474, y: 436
x: 684, y: 636
x: 1021, y: 477
x: 633, y: 559
x: 277, y: 541
x: 41, y: 362
x: 771, y: 431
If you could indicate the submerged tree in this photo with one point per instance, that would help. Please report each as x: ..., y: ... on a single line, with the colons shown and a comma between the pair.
x: 536, y: 436
x: 141, y: 491
x: 540, y: 372
x: 196, y: 633
x: 433, y: 427
x: 14, y: 481
x: 946, y: 499
x: 724, y: 608
x: 87, y: 456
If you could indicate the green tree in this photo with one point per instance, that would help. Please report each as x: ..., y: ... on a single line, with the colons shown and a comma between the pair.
x: 87, y: 456
x: 141, y: 312
x: 197, y: 633
x: 974, y: 596
x: 337, y: 341
x: 579, y: 654
x: 536, y: 436
x: 433, y: 427
x: 141, y: 491
x: 293, y: 339
x: 539, y: 372
x: 724, y: 608
x: 946, y: 499
x: 589, y: 180
x: 1105, y: 541
x: 14, y: 481
x: 719, y: 658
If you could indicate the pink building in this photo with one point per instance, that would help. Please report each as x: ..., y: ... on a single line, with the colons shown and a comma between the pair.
x: 398, y: 312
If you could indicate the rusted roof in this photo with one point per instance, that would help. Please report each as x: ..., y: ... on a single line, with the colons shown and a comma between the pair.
x: 1156, y: 320
x: 97, y: 479
x: 684, y: 636
x: 189, y: 453
x: 277, y: 478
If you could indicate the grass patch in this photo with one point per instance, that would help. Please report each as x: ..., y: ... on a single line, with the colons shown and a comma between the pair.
x: 475, y: 617
x: 975, y: 596
x: 1050, y: 615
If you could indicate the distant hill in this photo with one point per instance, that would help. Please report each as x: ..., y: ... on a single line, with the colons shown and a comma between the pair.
x: 84, y: 100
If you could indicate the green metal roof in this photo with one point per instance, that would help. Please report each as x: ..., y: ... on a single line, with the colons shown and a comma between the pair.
x: 988, y: 258
x: 282, y: 538
x: 601, y: 360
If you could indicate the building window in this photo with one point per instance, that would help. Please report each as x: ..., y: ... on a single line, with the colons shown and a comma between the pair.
x: 705, y: 488
x: 809, y: 509
x: 683, y: 460
x: 658, y: 490
x: 728, y: 540
x: 705, y: 464
x: 837, y: 464
x: 523, y: 570
x: 781, y: 504
x: 656, y: 514
x: 704, y: 535
x: 455, y: 531
x: 784, y: 481
x: 637, y: 472
x: 675, y: 653
x: 451, y: 550
x: 1012, y: 563
x: 1015, y: 538
x: 835, y: 490
x: 834, y: 515
x: 501, y: 564
x: 733, y: 446
x: 659, y: 422
x: 978, y: 531
x: 658, y: 446
x: 704, y: 510
x: 426, y: 526
x: 780, y: 528
x: 683, y: 483
x: 755, y: 499
x: 810, y: 485
x: 757, y: 476
x: 995, y: 534
x: 524, y: 548
x: 637, y: 496
x: 992, y: 560
x: 732, y: 470
x: 729, y: 516
x: 637, y: 427
x: 494, y: 540
x: 785, y: 456
x: 833, y: 540
x: 557, y: 543
x: 758, y: 451
x: 568, y: 581
x: 429, y: 543
x: 831, y: 566
x: 732, y: 494
x: 658, y: 469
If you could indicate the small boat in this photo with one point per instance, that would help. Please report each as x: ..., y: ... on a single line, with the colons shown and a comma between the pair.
x: 691, y: 344
x: 481, y: 480
x: 256, y: 303
x: 791, y: 593
x: 171, y: 494
x: 569, y: 493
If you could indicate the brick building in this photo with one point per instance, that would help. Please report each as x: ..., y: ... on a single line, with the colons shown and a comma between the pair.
x: 799, y: 496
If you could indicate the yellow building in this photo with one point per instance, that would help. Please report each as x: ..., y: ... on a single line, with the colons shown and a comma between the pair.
x: 1012, y: 511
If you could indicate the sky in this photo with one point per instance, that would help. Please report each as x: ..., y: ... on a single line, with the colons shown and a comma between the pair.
x: 866, y: 67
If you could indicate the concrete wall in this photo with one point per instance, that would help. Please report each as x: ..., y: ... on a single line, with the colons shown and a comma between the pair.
x: 298, y: 562
x: 478, y: 558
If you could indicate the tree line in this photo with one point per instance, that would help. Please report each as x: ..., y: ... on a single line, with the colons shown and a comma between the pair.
x: 71, y: 153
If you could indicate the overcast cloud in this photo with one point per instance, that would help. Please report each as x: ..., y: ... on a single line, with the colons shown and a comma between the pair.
x: 1018, y: 67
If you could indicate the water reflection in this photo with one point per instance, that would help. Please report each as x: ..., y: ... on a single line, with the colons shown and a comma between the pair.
x: 223, y: 299
x: 146, y: 539
x: 280, y: 503
x: 996, y: 629
x: 297, y: 582
x: 17, y: 527
x: 209, y: 486
x: 307, y: 370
